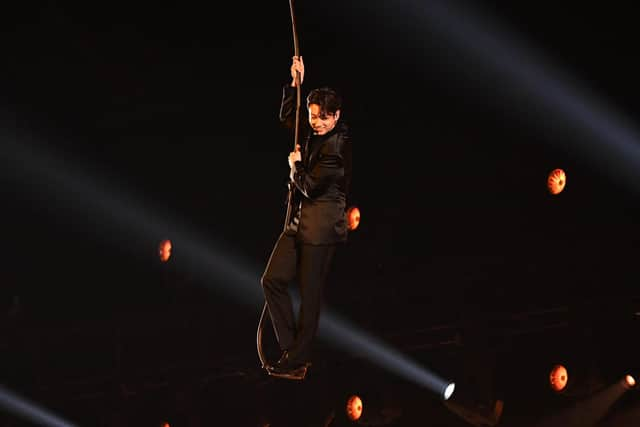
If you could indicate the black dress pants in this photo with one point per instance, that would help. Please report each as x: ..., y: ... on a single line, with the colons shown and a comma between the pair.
x: 309, y: 265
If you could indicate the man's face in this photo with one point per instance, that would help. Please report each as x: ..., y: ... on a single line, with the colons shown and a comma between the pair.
x: 321, y: 124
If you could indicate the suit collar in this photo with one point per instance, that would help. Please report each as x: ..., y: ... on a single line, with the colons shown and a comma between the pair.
x: 317, y: 145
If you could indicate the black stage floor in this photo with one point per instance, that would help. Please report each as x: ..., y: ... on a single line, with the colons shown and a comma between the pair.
x: 188, y: 365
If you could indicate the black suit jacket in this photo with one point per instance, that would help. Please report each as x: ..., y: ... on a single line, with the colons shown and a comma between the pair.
x: 322, y: 182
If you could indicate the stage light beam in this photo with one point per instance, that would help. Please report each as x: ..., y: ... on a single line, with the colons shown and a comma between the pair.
x: 28, y: 410
x: 341, y: 333
x: 517, y: 74
x: 81, y: 194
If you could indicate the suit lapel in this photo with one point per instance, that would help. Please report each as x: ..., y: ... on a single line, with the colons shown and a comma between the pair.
x: 305, y: 153
x: 314, y: 152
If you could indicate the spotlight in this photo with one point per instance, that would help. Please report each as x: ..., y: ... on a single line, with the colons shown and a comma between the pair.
x: 556, y: 181
x: 448, y: 391
x: 353, y: 217
x: 354, y: 407
x: 382, y: 409
x: 629, y: 381
x: 164, y: 250
x: 558, y: 378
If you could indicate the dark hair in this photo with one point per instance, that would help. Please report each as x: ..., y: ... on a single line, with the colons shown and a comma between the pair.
x: 327, y: 98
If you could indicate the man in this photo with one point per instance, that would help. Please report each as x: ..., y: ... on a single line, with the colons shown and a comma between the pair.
x: 320, y: 175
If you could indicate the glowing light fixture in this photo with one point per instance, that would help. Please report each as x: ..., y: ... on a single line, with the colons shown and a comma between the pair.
x: 164, y: 250
x: 629, y: 381
x: 354, y: 408
x: 558, y: 378
x: 353, y: 217
x: 556, y: 181
x: 448, y: 391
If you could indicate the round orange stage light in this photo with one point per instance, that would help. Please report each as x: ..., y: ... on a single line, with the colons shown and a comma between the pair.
x: 629, y: 381
x: 164, y: 250
x: 558, y: 378
x: 354, y: 408
x: 353, y: 218
x: 556, y: 181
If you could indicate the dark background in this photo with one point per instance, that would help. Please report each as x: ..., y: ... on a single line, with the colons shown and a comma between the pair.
x: 173, y: 108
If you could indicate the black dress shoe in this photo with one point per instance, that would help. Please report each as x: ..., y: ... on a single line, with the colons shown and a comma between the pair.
x: 286, y: 362
x: 288, y: 368
x: 289, y: 372
x: 280, y: 362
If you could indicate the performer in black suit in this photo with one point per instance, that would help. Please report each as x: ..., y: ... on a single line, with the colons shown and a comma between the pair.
x: 321, y: 174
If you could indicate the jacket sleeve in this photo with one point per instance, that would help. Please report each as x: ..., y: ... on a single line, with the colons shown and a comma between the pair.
x: 328, y: 169
x: 288, y: 106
